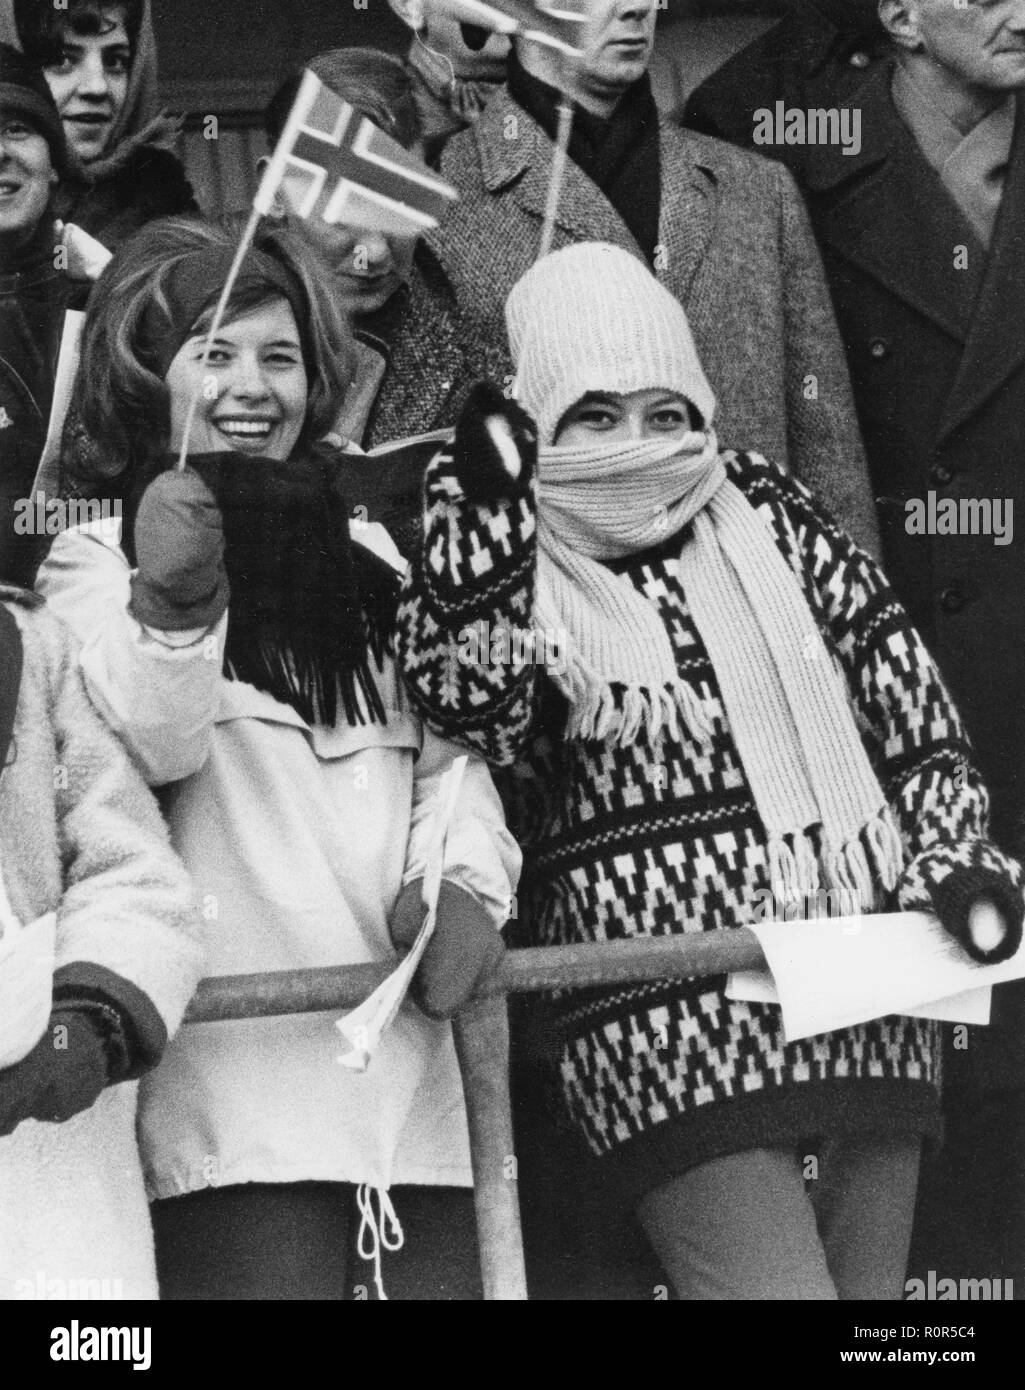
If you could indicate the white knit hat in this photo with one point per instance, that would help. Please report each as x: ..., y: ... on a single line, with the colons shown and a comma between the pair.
x: 592, y: 317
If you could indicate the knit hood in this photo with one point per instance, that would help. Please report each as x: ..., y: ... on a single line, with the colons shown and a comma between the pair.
x: 140, y: 121
x: 592, y: 317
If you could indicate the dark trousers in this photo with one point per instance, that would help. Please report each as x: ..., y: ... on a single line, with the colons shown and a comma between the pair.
x: 298, y: 1241
x: 970, y: 1219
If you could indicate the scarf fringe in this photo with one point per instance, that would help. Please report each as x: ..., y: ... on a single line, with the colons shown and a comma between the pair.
x: 875, y: 856
x: 602, y: 711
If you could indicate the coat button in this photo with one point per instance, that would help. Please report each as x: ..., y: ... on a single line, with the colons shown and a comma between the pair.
x: 879, y: 348
x: 859, y: 59
x: 942, y: 474
x: 952, y: 600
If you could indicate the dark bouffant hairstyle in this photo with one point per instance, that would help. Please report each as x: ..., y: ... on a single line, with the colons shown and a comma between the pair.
x: 124, y: 407
x: 374, y: 83
x: 43, y: 28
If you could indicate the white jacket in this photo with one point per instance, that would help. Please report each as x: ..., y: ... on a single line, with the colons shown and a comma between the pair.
x: 80, y: 834
x: 299, y: 840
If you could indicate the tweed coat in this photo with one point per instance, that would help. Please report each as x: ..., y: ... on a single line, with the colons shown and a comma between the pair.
x: 937, y: 359
x: 734, y: 246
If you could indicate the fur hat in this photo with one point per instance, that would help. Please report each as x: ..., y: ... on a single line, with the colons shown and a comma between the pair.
x: 24, y: 92
x: 592, y: 317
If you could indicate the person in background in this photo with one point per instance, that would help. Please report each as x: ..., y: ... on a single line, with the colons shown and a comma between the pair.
x: 35, y: 292
x: 454, y: 70
x: 814, y: 58
x: 709, y: 649
x: 100, y: 60
x: 411, y: 370
x: 921, y: 238
x: 723, y: 230
x: 82, y: 838
x: 237, y: 638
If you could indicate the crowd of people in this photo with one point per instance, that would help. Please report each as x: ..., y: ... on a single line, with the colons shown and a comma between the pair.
x: 685, y: 441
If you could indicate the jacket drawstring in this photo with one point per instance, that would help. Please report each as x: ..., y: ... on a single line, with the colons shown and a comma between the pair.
x: 373, y: 1229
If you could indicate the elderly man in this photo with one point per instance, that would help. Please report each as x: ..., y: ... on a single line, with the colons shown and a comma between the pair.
x: 921, y: 237
x: 454, y: 69
x: 724, y: 231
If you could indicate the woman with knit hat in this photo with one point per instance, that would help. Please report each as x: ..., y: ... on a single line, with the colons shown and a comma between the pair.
x: 237, y: 638
x: 742, y: 714
x: 100, y: 60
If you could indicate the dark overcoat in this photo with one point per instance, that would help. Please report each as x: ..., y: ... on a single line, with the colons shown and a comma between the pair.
x: 935, y: 334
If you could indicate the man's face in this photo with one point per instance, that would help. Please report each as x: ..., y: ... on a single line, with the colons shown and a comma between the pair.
x: 445, y: 35
x: 617, y: 43
x: 981, y: 42
x: 369, y: 266
x: 26, y: 177
x: 90, y: 83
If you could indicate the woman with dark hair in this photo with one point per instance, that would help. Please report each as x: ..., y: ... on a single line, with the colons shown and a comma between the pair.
x: 238, y: 641
x: 100, y: 60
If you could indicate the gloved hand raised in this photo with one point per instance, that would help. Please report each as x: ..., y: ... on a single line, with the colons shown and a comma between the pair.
x: 464, y: 948
x: 494, y: 452
x: 63, y: 1074
x: 179, y: 547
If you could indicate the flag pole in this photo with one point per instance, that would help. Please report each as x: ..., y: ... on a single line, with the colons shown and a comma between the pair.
x: 215, y: 325
x: 558, y: 173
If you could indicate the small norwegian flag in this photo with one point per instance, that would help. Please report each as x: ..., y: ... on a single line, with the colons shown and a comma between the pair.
x: 335, y: 164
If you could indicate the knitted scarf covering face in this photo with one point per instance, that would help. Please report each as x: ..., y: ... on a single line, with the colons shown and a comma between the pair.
x: 787, y: 705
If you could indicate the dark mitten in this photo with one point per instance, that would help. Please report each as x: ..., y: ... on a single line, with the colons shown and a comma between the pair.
x: 494, y: 452
x: 179, y: 546
x: 464, y: 949
x: 63, y: 1074
x: 983, y: 910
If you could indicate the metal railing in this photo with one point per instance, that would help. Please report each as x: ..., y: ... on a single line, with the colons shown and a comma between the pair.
x: 481, y: 1032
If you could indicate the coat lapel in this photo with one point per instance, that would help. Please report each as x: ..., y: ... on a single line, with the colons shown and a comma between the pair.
x: 885, y: 211
x: 584, y: 213
x: 996, y: 340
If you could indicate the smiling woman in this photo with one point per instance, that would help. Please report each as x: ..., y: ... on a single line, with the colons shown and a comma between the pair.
x: 276, y: 374
x: 99, y: 58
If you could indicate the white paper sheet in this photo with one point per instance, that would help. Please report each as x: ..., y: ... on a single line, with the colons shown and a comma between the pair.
x: 363, y: 1027
x: 46, y: 479
x: 835, y: 972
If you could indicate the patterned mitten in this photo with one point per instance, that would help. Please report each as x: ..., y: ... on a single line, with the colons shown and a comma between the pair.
x: 494, y: 452
x: 975, y: 891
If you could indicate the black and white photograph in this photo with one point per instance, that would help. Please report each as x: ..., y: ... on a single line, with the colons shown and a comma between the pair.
x: 512, y: 666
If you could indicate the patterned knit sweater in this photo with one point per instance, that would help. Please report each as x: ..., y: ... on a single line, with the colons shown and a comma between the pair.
x: 651, y: 840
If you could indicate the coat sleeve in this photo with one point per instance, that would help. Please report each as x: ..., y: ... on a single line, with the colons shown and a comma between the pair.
x: 919, y: 745
x: 129, y: 929
x: 160, y: 693
x: 471, y: 583
x: 823, y: 436
x: 481, y: 855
